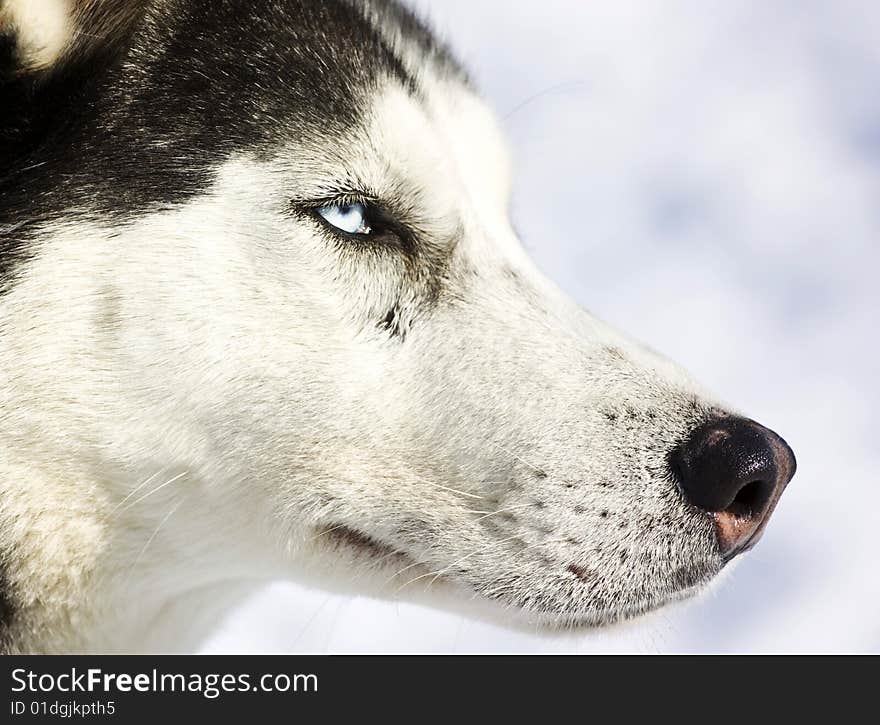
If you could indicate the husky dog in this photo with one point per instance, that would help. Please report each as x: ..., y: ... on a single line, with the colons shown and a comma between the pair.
x: 263, y: 315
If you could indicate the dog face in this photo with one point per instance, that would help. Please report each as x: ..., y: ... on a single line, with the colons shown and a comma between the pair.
x: 286, y: 242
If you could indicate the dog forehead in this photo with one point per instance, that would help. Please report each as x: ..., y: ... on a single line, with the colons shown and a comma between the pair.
x: 449, y: 125
x: 440, y: 145
x: 434, y: 149
x: 257, y: 74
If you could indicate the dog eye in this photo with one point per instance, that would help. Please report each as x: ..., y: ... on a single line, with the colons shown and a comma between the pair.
x: 348, y: 218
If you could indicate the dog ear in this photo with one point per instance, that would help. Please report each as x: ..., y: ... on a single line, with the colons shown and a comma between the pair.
x: 50, y: 51
x: 37, y: 35
x: 34, y: 34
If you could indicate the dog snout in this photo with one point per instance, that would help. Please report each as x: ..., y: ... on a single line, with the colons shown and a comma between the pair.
x: 735, y: 470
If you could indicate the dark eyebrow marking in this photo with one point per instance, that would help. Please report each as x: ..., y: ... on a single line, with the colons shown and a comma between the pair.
x: 392, y: 323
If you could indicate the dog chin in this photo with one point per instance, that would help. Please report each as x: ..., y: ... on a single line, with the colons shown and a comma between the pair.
x: 565, y: 620
x: 398, y: 571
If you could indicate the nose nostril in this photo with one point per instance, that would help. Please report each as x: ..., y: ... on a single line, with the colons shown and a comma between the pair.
x: 734, y: 470
x: 750, y: 500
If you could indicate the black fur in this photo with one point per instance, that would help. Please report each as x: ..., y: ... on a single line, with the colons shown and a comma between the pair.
x: 391, y: 324
x: 142, y: 123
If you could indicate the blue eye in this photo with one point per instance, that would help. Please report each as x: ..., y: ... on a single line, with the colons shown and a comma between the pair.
x: 348, y: 218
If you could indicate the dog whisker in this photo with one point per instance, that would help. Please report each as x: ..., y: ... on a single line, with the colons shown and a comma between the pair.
x: 447, y: 488
x: 150, y: 541
x: 398, y: 573
x: 439, y: 573
x: 135, y: 490
x: 155, y: 490
x: 487, y: 514
x: 328, y: 531
x: 536, y: 469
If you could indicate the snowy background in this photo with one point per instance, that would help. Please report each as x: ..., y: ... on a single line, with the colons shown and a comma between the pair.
x: 724, y: 160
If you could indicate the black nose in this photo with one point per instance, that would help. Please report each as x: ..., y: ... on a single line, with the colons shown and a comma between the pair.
x: 735, y: 470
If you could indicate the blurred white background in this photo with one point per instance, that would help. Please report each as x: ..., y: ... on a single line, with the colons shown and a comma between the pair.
x: 706, y: 176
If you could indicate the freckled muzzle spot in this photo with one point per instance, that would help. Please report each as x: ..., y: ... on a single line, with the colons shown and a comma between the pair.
x: 580, y: 572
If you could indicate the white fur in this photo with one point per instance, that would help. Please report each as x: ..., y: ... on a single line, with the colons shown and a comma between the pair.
x: 44, y: 28
x: 192, y: 401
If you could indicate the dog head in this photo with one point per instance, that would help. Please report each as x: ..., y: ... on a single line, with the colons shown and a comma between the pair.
x: 284, y: 276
